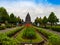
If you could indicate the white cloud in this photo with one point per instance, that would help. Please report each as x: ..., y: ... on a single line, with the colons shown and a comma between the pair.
x: 21, y: 8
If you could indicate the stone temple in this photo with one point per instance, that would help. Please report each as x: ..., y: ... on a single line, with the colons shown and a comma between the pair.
x: 28, y: 19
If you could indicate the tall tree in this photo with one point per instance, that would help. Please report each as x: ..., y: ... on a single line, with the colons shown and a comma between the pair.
x: 36, y: 21
x: 19, y: 19
x: 3, y: 15
x: 40, y: 21
x: 52, y: 18
x: 45, y: 20
x: 12, y: 18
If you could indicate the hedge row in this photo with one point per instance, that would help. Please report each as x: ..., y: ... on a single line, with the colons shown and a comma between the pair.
x: 12, y: 32
x: 54, y: 28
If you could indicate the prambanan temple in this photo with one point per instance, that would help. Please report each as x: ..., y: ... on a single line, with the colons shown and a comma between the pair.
x: 28, y: 19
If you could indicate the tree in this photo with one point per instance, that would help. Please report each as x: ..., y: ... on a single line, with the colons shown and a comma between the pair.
x: 3, y: 15
x: 40, y: 21
x: 12, y: 18
x: 36, y: 21
x: 22, y: 21
x: 19, y: 20
x: 45, y: 20
x: 52, y: 18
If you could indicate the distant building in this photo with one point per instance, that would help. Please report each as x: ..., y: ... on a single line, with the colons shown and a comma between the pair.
x: 28, y: 19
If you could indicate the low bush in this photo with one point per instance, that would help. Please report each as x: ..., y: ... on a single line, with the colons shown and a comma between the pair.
x: 8, y: 26
x: 56, y: 28
x: 5, y: 40
x: 2, y: 27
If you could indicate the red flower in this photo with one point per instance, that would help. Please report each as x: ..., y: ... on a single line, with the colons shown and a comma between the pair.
x: 27, y: 25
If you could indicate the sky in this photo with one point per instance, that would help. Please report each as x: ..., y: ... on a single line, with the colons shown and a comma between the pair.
x: 36, y: 8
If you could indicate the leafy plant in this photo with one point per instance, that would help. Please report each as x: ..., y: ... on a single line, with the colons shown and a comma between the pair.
x: 12, y: 32
x: 5, y: 40
x: 52, y: 37
x: 29, y: 33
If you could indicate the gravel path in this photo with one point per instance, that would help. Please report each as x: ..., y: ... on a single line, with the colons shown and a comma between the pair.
x: 8, y: 29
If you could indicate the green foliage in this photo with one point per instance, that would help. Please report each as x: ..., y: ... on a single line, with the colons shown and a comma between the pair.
x: 56, y: 28
x: 52, y: 37
x: 45, y: 20
x: 3, y: 15
x: 38, y: 20
x: 12, y: 32
x: 8, y: 25
x: 2, y: 27
x: 29, y: 33
x: 22, y: 38
x: 4, y: 40
x: 19, y: 20
x: 52, y: 18
x: 12, y: 18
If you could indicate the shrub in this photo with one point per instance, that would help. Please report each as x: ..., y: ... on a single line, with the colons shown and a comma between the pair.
x: 4, y: 40
x: 12, y: 32
x: 29, y: 33
x: 8, y: 26
x: 2, y: 27
x: 57, y: 28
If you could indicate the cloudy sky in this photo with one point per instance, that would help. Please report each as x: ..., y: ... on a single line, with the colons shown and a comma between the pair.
x: 36, y: 8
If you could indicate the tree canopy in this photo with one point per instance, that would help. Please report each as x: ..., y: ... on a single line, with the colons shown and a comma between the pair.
x: 52, y: 18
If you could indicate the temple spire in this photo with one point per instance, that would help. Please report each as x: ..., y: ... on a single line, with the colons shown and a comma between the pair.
x: 28, y: 18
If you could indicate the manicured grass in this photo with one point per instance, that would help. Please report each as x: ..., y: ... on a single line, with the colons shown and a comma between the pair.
x: 20, y: 39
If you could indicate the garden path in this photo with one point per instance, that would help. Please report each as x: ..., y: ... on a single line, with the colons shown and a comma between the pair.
x: 49, y: 30
x: 7, y: 29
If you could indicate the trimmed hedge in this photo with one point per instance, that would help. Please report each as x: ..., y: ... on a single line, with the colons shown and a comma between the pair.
x: 12, y: 32
x: 57, y: 28
x: 54, y: 28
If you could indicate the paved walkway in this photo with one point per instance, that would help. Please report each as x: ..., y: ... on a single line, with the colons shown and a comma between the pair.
x: 53, y: 31
x: 8, y: 29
